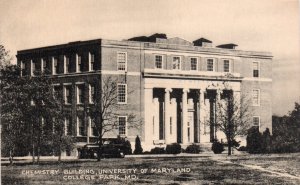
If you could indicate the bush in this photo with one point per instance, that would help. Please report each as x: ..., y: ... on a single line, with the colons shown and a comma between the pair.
x: 194, y: 149
x: 217, y: 147
x: 158, y: 150
x: 174, y: 148
x: 138, y: 147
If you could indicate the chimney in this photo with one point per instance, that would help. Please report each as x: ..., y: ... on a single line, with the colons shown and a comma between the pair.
x: 203, y: 42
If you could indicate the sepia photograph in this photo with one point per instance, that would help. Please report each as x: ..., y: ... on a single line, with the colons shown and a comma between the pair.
x: 171, y: 92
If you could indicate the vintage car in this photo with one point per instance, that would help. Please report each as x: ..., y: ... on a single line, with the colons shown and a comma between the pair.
x: 108, y: 150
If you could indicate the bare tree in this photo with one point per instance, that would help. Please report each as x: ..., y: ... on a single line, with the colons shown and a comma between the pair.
x: 233, y: 114
x: 232, y: 117
x: 106, y: 111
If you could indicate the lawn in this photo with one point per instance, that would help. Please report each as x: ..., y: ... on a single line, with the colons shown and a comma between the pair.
x: 171, y: 171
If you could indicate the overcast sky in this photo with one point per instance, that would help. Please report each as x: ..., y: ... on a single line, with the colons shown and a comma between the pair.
x: 259, y: 25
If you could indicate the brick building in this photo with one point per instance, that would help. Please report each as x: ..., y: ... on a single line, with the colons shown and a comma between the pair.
x: 174, y: 85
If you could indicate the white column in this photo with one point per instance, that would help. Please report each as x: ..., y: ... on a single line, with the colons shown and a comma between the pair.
x: 173, y: 114
x: 202, y: 115
x: 184, y: 116
x: 167, y: 115
x: 218, y: 102
x: 148, y: 116
x: 155, y: 119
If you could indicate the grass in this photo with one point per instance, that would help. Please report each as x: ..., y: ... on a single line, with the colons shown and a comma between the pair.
x: 203, y: 170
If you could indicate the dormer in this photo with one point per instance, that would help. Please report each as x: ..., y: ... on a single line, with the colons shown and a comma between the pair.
x: 203, y: 42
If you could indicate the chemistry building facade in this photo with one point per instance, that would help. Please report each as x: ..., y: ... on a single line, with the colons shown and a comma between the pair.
x: 171, y: 85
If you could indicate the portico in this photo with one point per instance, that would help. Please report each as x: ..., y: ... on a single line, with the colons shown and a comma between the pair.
x: 182, y: 110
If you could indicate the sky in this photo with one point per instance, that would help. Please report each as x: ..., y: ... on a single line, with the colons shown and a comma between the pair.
x: 255, y: 25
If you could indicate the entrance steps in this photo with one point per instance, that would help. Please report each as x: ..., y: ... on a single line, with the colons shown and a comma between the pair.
x: 205, y: 147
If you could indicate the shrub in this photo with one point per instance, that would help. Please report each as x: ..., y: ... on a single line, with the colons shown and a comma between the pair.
x: 158, y: 150
x: 217, y: 147
x: 254, y: 141
x: 138, y: 147
x: 194, y: 149
x: 174, y: 148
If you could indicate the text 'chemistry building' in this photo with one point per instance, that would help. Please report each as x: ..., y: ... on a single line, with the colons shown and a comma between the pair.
x: 171, y: 85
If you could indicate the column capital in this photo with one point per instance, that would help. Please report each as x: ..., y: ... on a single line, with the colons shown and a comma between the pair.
x: 186, y: 90
x: 168, y: 89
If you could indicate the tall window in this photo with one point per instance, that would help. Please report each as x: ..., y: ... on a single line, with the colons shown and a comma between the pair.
x: 158, y: 62
x: 171, y: 125
x: 210, y: 65
x: 256, y: 97
x: 122, y: 125
x: 176, y: 63
x: 122, y: 61
x: 226, y: 66
x: 43, y: 65
x: 22, y: 68
x: 79, y: 64
x: 256, y: 121
x: 80, y: 127
x: 68, y: 126
x: 56, y: 89
x: 67, y: 64
x: 122, y: 93
x: 91, y: 93
x: 55, y: 65
x: 80, y: 94
x: 91, y: 61
x: 33, y: 67
x: 255, y: 69
x: 93, y: 128
x: 194, y: 64
x: 68, y: 94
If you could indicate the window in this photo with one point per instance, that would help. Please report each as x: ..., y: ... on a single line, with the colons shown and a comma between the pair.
x: 226, y: 66
x: 68, y: 94
x: 80, y: 127
x: 91, y: 93
x: 56, y: 91
x: 93, y: 128
x: 79, y: 64
x: 256, y: 97
x: 122, y: 125
x: 176, y: 63
x: 33, y: 67
x: 122, y: 93
x: 256, y: 121
x: 22, y: 68
x: 194, y: 64
x: 43, y: 65
x: 67, y: 64
x: 158, y: 62
x: 210, y: 65
x: 68, y: 126
x: 171, y: 125
x: 122, y: 61
x: 80, y: 94
x: 255, y: 69
x: 55, y: 65
x: 91, y: 61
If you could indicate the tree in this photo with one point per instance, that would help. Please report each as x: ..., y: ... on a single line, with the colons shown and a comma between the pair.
x: 232, y: 117
x: 25, y: 102
x: 232, y: 113
x: 106, y: 110
x: 286, y: 131
x: 5, y: 58
x: 138, y: 147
